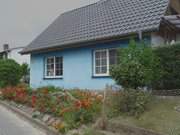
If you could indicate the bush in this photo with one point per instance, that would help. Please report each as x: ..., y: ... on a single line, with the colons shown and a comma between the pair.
x: 133, y: 102
x: 138, y: 66
x: 25, y: 73
x: 170, y: 63
x: 10, y: 73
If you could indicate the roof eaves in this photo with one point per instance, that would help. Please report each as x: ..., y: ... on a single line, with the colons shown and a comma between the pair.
x: 88, y: 42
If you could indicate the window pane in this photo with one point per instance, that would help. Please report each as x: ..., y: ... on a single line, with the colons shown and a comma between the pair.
x: 104, y: 69
x: 59, y: 66
x: 50, y: 72
x: 104, y: 54
x: 98, y: 70
x: 97, y: 55
x: 50, y: 66
x: 113, y: 57
x: 98, y: 62
x: 58, y: 72
x: 104, y: 62
x: 61, y: 72
x: 58, y: 60
x: 50, y: 60
x: 101, y: 62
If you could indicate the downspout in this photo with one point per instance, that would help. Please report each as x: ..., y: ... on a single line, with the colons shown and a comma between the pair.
x: 140, y: 35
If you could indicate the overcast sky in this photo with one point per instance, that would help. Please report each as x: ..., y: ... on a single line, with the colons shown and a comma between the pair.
x: 22, y: 20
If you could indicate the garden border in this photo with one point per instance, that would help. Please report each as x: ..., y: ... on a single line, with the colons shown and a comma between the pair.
x: 35, y: 122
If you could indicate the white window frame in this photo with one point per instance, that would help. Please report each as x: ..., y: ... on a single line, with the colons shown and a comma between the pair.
x: 54, y: 76
x: 108, y: 62
x: 94, y: 62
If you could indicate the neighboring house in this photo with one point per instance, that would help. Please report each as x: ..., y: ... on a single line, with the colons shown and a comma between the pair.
x: 7, y: 52
x: 77, y: 50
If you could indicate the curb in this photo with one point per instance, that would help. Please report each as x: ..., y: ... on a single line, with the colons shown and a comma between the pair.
x: 36, y: 123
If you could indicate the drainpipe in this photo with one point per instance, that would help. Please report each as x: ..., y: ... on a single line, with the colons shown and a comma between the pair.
x: 140, y: 35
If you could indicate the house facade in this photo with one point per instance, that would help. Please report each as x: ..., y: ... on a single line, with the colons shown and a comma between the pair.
x: 77, y: 50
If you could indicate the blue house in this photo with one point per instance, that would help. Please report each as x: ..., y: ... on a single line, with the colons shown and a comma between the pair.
x: 78, y: 48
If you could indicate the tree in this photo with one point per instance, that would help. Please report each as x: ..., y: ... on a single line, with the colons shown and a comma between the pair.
x: 137, y: 66
x: 10, y: 73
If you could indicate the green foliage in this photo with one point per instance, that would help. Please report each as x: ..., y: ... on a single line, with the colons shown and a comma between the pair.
x: 170, y: 63
x: 137, y: 66
x: 50, y: 89
x: 76, y: 118
x: 160, y: 117
x: 24, y: 69
x: 10, y: 73
x: 133, y: 102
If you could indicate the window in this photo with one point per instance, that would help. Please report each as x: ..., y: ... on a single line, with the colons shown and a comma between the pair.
x: 103, y: 59
x: 53, y: 67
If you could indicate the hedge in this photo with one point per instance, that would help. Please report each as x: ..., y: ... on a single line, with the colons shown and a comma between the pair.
x: 170, y: 63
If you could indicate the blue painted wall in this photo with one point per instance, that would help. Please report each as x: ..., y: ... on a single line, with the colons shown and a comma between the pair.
x: 78, y: 68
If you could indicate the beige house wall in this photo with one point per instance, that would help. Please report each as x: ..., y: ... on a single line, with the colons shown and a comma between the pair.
x: 176, y: 5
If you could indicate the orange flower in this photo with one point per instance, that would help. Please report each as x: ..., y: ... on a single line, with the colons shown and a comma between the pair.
x: 78, y: 104
x: 86, y: 103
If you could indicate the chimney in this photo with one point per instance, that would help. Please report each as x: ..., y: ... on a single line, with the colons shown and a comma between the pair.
x: 6, y: 47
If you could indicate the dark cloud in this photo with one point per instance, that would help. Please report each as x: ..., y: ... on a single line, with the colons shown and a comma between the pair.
x: 22, y: 20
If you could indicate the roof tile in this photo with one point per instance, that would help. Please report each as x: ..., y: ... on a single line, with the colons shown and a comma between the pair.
x: 103, y: 19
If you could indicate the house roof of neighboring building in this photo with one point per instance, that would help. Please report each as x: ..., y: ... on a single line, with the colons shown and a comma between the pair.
x: 101, y: 20
x: 173, y: 20
x: 13, y: 47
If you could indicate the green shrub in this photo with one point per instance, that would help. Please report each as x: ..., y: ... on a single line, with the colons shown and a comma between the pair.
x: 10, y: 73
x: 133, y: 102
x: 137, y: 66
x: 170, y: 63
x: 24, y: 69
x: 25, y: 73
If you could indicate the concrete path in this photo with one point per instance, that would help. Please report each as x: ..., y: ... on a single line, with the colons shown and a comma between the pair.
x: 10, y: 124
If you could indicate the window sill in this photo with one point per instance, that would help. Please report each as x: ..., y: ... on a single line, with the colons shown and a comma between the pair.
x: 102, y: 76
x: 52, y: 78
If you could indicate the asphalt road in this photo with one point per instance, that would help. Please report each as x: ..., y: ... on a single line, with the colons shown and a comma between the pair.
x: 10, y: 124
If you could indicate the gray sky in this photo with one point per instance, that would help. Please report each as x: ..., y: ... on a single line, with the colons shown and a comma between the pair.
x: 22, y: 20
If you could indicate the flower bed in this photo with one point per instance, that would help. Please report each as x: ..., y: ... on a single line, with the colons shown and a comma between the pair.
x: 61, y: 109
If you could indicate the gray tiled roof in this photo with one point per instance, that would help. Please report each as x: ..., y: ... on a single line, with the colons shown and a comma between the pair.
x: 106, y: 18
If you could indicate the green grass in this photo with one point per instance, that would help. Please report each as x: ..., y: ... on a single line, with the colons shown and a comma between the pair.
x: 160, y: 117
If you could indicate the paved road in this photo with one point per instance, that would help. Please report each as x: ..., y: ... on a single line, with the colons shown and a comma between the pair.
x: 10, y: 124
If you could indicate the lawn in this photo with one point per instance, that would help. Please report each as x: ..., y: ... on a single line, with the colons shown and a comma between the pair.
x: 160, y: 117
